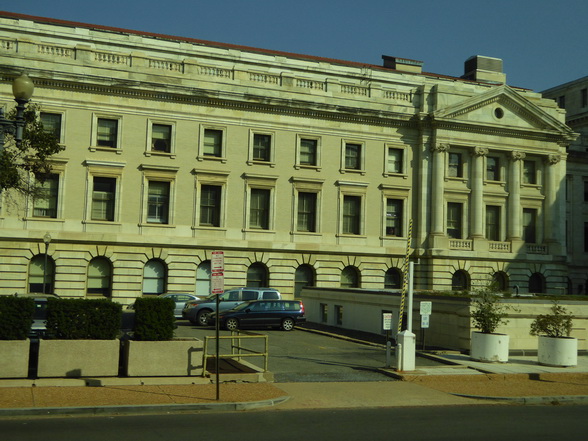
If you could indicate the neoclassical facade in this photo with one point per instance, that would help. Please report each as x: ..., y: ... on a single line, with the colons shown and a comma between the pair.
x: 573, y: 97
x: 302, y: 170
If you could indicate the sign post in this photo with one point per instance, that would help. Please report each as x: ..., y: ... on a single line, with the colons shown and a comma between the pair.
x: 387, y: 326
x: 217, y: 287
x: 425, y: 309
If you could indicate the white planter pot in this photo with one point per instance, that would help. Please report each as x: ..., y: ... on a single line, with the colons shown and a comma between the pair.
x: 489, y: 347
x: 558, y: 351
x: 14, y: 358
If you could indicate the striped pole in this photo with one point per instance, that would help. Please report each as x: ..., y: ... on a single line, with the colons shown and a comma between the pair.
x: 405, y: 278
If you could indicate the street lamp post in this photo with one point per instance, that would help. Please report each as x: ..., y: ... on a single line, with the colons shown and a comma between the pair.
x: 22, y: 89
x: 46, y: 241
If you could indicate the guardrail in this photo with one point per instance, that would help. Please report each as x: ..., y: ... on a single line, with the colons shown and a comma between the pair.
x: 238, y: 351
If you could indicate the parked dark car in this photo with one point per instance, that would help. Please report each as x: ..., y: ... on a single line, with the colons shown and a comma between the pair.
x: 284, y: 314
x: 197, y: 311
x: 39, y: 328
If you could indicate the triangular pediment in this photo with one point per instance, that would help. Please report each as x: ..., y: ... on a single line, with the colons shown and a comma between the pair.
x: 502, y: 108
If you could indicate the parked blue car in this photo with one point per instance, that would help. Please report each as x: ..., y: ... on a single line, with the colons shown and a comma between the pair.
x: 284, y: 314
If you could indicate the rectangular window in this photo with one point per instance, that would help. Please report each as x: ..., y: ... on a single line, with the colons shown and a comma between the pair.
x: 213, y: 142
x: 103, y: 195
x: 308, y: 151
x: 45, y: 204
x: 339, y: 314
x: 492, y: 168
x: 454, y: 220
x: 530, y: 225
x: 107, y: 133
x: 353, y: 156
x: 324, y: 312
x: 161, y: 138
x: 493, y: 222
x: 262, y: 147
x: 351, y: 214
x: 561, y: 101
x: 306, y: 212
x: 393, y: 217
x: 210, y: 205
x: 395, y: 163
x: 455, y: 165
x: 158, y: 202
x: 529, y: 172
x: 52, y: 124
x: 586, y: 237
x: 586, y: 190
x: 259, y: 213
x: 584, y: 97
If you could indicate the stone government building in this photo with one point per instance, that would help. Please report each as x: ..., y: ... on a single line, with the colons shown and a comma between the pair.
x: 303, y: 170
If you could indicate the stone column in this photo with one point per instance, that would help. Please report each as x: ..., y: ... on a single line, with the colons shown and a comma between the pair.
x: 551, y: 206
x: 438, y: 188
x: 514, y: 198
x: 477, y: 200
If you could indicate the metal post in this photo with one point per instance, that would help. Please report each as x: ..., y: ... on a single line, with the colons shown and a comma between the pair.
x: 46, y: 241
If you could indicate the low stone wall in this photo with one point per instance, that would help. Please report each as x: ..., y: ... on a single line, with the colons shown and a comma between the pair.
x: 449, y: 324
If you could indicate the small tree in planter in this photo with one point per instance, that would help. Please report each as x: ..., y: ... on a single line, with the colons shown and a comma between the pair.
x: 488, y: 314
x: 555, y: 346
x: 153, y: 352
x: 16, y: 318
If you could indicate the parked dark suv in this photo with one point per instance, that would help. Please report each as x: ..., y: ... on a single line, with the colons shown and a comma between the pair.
x: 261, y: 314
x: 197, y: 311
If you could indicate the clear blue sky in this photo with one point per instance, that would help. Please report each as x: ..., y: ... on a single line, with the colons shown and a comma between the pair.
x: 543, y: 43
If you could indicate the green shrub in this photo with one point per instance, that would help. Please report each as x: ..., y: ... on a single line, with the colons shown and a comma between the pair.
x: 16, y: 317
x: 556, y: 324
x: 83, y: 319
x: 488, y: 313
x: 154, y: 319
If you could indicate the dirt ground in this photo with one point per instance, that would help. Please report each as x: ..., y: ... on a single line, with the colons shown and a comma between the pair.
x: 512, y: 385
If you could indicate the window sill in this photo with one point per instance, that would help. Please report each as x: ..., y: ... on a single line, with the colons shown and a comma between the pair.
x: 348, y: 170
x: 212, y: 158
x: 395, y: 175
x: 156, y: 225
x: 208, y: 228
x: 256, y: 230
x: 160, y: 154
x: 116, y: 150
x: 101, y: 222
x: 43, y: 219
x: 308, y: 167
x: 306, y: 233
x: 266, y: 163
x: 352, y: 236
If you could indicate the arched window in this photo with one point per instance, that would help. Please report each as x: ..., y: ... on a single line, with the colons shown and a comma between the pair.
x: 500, y: 281
x: 350, y: 277
x: 304, y: 276
x: 393, y: 279
x: 203, y: 279
x: 154, y: 277
x: 100, y: 277
x: 41, y: 274
x: 460, y: 281
x: 537, y: 283
x: 257, y: 276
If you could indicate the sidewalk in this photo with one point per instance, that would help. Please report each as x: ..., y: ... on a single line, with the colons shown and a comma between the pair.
x: 462, y: 382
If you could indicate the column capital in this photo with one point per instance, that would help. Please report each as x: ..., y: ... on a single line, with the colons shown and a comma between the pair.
x: 552, y: 159
x: 440, y: 148
x: 480, y: 151
x: 517, y: 156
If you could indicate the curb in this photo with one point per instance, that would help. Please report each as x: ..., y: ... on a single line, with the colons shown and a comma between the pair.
x: 563, y: 399
x: 141, y: 409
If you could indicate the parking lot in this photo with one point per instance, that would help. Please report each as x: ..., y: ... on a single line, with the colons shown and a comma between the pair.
x: 305, y: 356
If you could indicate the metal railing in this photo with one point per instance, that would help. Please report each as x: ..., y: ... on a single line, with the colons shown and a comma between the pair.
x: 238, y: 351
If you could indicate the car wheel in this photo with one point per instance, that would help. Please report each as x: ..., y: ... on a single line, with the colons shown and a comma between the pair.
x: 232, y: 324
x: 202, y: 318
x: 287, y: 324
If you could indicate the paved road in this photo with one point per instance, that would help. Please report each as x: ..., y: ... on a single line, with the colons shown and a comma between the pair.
x: 455, y: 423
x: 304, y: 356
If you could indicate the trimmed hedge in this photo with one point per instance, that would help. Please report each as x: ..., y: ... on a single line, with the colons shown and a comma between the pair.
x: 154, y: 319
x: 16, y: 317
x: 83, y: 319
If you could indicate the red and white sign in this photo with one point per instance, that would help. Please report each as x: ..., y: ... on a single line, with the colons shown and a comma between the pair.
x: 217, y: 279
